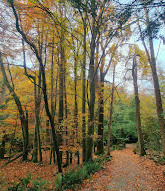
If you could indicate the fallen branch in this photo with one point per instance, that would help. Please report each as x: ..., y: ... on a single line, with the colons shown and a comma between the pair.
x: 18, y: 156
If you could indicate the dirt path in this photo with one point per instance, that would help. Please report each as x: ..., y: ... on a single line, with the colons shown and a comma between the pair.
x: 127, y: 172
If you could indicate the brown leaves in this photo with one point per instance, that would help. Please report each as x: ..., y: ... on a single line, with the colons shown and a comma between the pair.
x: 16, y: 170
x: 127, y: 171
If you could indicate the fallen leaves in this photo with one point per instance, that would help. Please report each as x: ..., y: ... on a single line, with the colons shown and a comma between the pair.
x: 127, y: 171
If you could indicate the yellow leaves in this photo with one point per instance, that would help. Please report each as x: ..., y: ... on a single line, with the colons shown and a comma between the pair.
x: 113, y: 48
x: 141, y: 58
x: 110, y: 10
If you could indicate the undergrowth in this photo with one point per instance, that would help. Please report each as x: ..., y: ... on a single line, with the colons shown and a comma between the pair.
x: 67, y: 180
x: 75, y: 176
x: 23, y: 185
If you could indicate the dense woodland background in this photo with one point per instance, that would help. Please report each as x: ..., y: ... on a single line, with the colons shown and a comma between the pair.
x: 79, y: 77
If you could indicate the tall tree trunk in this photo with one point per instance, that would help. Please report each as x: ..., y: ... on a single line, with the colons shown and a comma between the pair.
x: 37, y: 140
x: 61, y: 98
x: 160, y: 112
x: 52, y: 150
x: 66, y: 116
x: 61, y: 82
x: 75, y: 101
x: 152, y: 61
x: 92, y: 93
x: 52, y: 81
x: 84, y: 93
x: 37, y: 113
x: 137, y: 105
x: 111, y: 112
x: 100, y: 142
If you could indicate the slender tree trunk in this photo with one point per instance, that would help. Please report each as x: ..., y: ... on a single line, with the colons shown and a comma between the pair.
x: 61, y: 83
x: 35, y: 146
x: 51, y: 100
x: 61, y: 100
x: 75, y: 102
x: 100, y: 141
x: 38, y: 108
x: 84, y: 93
x: 66, y: 116
x: 111, y: 113
x: 137, y: 105
x: 52, y: 81
x: 37, y: 127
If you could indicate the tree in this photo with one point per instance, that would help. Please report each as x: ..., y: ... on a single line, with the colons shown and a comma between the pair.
x: 111, y: 111
x: 22, y: 114
x: 137, y: 104
x: 150, y: 33
x: 91, y: 8
x: 37, y: 97
x: 44, y: 87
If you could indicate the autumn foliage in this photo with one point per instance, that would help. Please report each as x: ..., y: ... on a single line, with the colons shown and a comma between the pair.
x: 73, y: 87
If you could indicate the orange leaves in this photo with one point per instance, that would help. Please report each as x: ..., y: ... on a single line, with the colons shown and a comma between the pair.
x: 127, y: 171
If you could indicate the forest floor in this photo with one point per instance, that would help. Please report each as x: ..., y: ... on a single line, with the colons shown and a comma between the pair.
x: 127, y: 172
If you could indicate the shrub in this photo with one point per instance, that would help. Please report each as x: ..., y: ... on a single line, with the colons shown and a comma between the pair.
x: 38, y: 184
x: 135, y: 151
x: 75, y: 176
x: 58, y: 183
x: 92, y: 167
x: 22, y: 185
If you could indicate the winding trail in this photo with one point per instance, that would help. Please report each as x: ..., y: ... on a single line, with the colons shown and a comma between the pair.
x: 127, y: 172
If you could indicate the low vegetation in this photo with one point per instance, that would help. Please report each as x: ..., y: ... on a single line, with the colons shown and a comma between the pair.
x: 67, y: 180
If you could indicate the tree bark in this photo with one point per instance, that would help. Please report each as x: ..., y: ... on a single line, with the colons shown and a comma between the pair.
x: 84, y: 92
x: 52, y: 150
x: 111, y: 112
x: 92, y: 93
x: 137, y: 105
x: 100, y: 141
x: 2, y: 146
x: 75, y: 101
x: 66, y: 116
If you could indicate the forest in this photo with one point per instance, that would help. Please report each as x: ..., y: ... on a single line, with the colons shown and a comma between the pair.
x: 78, y: 80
